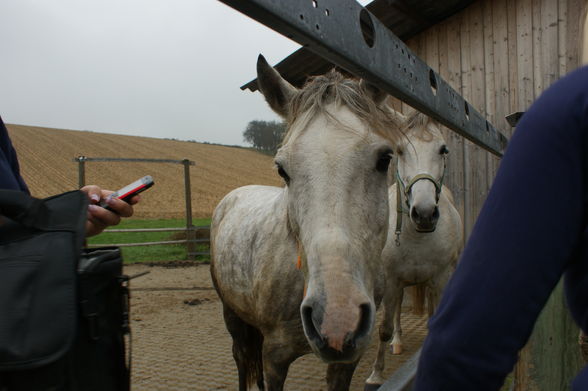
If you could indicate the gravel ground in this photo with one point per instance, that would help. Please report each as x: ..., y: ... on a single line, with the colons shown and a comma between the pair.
x: 180, y: 341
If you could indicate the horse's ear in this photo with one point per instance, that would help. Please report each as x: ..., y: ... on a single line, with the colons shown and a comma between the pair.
x: 277, y: 91
x: 374, y: 92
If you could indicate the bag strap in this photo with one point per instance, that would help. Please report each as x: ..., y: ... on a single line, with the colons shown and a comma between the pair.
x: 24, y: 209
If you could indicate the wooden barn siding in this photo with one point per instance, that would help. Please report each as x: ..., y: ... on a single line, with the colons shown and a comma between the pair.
x: 500, y: 55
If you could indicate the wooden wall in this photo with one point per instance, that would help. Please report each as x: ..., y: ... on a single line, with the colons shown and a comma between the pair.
x: 500, y: 55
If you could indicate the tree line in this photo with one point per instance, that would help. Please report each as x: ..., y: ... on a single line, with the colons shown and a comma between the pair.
x: 265, y: 136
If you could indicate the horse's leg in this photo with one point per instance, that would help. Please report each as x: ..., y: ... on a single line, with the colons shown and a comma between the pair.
x: 339, y: 376
x: 396, y: 344
x: 278, y: 354
x: 247, y: 350
x: 436, y: 286
x: 389, y: 303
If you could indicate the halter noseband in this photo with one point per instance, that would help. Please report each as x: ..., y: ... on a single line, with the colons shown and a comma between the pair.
x: 407, y: 189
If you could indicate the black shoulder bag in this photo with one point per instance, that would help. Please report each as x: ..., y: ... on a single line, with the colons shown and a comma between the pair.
x: 63, y: 309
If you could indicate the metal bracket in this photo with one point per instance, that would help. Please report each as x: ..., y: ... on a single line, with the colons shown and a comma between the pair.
x: 514, y: 118
x: 348, y: 35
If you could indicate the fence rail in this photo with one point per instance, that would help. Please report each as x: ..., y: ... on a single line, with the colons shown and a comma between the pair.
x: 188, y: 230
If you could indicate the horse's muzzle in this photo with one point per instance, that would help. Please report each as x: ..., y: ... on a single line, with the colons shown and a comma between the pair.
x: 333, y: 348
x: 425, y: 219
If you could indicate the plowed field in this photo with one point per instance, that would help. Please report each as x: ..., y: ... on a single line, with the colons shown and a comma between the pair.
x: 46, y: 158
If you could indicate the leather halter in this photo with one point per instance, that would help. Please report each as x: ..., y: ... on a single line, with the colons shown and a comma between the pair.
x: 407, y: 189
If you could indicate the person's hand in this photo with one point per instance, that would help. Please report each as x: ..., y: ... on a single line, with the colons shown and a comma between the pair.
x: 100, y: 218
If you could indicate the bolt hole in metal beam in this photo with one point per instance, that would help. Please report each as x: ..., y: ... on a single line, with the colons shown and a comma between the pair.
x: 367, y: 28
x: 432, y: 81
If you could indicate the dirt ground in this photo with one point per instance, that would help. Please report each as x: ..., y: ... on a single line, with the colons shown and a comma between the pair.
x: 180, y: 342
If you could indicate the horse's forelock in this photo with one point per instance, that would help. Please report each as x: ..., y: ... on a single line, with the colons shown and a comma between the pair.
x: 417, y: 123
x: 334, y: 87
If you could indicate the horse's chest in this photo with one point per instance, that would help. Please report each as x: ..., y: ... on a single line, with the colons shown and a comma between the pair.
x: 418, y: 263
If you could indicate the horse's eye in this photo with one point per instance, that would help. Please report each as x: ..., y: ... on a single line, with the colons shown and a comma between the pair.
x: 443, y: 150
x: 384, y: 161
x: 283, y: 173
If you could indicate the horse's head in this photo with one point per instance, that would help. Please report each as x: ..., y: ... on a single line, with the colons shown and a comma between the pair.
x: 421, y: 170
x: 334, y: 160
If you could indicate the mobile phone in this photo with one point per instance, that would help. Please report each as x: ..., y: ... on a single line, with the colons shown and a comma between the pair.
x: 130, y: 190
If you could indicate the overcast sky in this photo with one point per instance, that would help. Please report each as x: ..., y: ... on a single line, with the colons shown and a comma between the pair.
x: 156, y: 68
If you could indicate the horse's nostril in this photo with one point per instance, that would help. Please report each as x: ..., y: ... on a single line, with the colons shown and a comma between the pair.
x: 365, y: 321
x: 414, y: 214
x: 363, y: 328
x: 310, y: 327
x: 436, y: 214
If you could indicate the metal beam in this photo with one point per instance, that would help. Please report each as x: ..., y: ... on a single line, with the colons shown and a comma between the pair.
x: 346, y: 34
x: 403, y: 378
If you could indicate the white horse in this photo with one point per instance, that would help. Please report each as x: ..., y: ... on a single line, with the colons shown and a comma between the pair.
x: 425, y: 236
x: 298, y: 268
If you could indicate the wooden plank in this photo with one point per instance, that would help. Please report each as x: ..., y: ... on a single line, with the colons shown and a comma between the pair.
x: 193, y: 228
x: 490, y: 74
x: 537, y: 30
x: 583, y: 36
x: 456, y: 161
x: 130, y: 160
x: 562, y: 44
x: 466, y: 92
x: 513, y: 76
x: 432, y: 47
x: 575, y: 8
x: 549, y: 42
x: 478, y: 186
x: 499, y: 25
x: 524, y: 17
x: 432, y: 52
x: 501, y: 65
x: 138, y: 244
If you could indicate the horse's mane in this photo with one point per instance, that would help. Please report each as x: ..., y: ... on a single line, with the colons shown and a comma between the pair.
x: 334, y: 87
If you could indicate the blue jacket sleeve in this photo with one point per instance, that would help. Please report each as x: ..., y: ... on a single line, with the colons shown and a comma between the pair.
x: 10, y: 177
x: 526, y: 236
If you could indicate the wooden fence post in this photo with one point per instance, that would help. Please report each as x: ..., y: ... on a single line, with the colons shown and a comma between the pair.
x: 190, y: 234
x: 81, y: 171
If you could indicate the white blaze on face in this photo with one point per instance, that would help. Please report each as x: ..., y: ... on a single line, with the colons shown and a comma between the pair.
x: 338, y: 208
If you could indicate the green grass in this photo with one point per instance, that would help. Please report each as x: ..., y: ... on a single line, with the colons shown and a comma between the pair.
x: 168, y: 252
